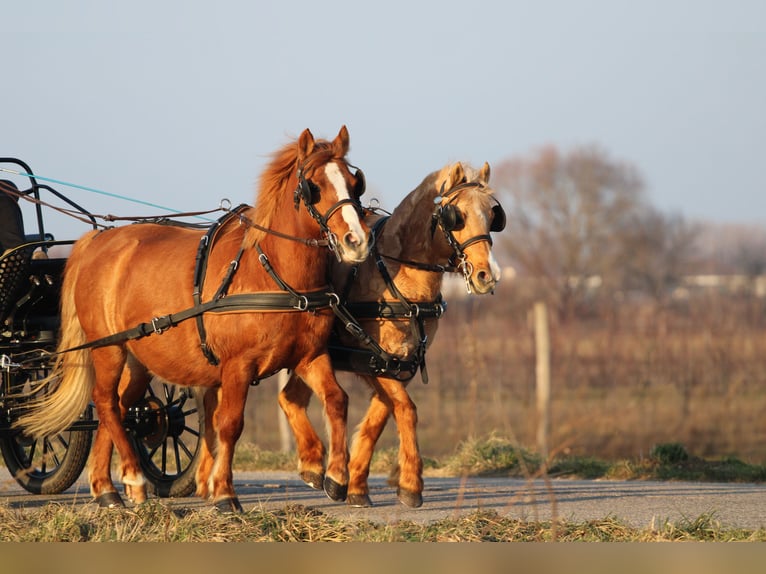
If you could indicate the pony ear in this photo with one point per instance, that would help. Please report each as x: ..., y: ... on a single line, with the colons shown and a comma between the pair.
x: 456, y: 175
x: 340, y: 143
x: 484, y: 174
x: 305, y: 145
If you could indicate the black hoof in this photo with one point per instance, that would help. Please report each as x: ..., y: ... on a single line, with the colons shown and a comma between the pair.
x: 409, y: 498
x: 335, y: 491
x: 229, y: 505
x: 110, y: 500
x: 312, y: 479
x: 359, y: 500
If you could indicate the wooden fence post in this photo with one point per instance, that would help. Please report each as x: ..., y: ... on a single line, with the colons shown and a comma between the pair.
x: 543, y: 376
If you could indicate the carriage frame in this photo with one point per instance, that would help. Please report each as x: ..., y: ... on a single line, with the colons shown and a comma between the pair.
x: 166, y: 425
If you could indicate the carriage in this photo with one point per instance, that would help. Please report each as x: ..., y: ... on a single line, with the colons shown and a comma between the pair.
x: 165, y: 425
x: 317, y: 320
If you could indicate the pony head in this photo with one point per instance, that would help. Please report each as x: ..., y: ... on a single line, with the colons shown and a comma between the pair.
x: 323, y: 189
x: 330, y: 192
x: 467, y: 212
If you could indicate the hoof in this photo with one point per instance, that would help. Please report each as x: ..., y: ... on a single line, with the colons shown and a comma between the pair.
x: 312, y: 479
x: 110, y: 500
x: 359, y: 500
x: 409, y: 498
x: 229, y: 505
x: 335, y: 491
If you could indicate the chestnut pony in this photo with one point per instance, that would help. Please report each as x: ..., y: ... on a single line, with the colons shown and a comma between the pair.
x: 121, y: 277
x: 443, y: 225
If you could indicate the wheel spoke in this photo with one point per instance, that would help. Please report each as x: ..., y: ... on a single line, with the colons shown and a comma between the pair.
x: 190, y: 430
x: 164, y: 459
x: 170, y: 392
x: 182, y: 444
x: 177, y: 455
x: 50, y: 452
x: 31, y: 455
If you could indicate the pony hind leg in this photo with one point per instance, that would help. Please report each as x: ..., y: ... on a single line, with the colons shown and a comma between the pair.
x: 294, y: 400
x: 320, y: 377
x: 109, y: 364
x: 208, y: 446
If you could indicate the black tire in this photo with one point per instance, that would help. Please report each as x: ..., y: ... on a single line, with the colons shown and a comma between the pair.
x: 48, y: 465
x: 167, y: 427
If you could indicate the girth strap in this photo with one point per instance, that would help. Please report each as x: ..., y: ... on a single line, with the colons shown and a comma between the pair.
x: 200, y: 269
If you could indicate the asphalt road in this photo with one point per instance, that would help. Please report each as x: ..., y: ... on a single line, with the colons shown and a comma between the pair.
x: 638, y: 503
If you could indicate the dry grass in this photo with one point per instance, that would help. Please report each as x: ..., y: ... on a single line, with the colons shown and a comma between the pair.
x: 153, y: 522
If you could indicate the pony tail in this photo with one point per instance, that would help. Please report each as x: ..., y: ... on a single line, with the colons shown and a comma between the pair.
x: 72, y: 378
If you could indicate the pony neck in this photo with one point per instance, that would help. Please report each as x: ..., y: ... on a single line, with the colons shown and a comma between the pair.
x: 408, y: 231
x: 407, y: 236
x: 300, y: 265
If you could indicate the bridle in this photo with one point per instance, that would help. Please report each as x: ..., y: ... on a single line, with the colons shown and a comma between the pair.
x: 307, y: 192
x: 447, y: 217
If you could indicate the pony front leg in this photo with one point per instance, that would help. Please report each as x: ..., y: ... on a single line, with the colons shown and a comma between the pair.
x: 294, y: 400
x: 228, y: 422
x: 391, y: 397
x: 362, y: 447
x: 320, y: 377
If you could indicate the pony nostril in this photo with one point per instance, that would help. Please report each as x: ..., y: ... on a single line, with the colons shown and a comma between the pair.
x: 351, y: 240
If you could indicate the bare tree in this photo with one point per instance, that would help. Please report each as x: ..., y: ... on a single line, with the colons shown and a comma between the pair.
x: 574, y: 219
x: 659, y: 250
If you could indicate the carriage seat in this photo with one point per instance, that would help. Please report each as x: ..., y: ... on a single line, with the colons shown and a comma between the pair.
x: 29, y: 291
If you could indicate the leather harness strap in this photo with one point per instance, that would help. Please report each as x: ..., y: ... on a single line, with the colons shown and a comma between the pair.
x: 376, y: 359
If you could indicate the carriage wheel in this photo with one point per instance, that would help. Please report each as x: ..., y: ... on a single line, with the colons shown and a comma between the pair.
x: 51, y: 464
x: 167, y: 426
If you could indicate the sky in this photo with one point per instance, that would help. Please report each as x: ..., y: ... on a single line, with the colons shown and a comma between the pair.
x: 181, y: 103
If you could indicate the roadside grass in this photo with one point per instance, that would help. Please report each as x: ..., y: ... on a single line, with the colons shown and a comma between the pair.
x: 154, y: 522
x: 494, y: 455
x: 491, y: 455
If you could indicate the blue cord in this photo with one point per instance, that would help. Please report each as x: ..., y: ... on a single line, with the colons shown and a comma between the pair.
x: 93, y: 190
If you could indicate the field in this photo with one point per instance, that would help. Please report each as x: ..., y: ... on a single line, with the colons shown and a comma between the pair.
x: 631, y: 390
x: 693, y: 373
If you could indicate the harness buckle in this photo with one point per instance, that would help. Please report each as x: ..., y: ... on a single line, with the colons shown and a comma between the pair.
x: 414, y: 311
x: 332, y: 242
x: 157, y: 328
x: 303, y: 303
x: 356, y: 330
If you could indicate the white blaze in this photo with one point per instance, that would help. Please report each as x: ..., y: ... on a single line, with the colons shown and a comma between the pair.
x: 350, y: 216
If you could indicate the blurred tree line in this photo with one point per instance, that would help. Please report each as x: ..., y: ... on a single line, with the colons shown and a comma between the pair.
x: 581, y: 225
